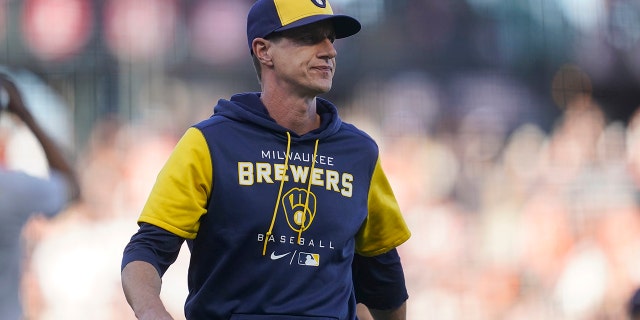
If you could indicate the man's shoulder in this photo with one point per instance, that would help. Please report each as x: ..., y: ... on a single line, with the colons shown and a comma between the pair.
x: 357, y: 133
x: 212, y: 121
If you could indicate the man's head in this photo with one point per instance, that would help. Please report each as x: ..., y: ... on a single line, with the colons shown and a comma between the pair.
x: 269, y: 16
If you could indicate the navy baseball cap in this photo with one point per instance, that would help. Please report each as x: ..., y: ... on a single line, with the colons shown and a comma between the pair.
x: 268, y: 16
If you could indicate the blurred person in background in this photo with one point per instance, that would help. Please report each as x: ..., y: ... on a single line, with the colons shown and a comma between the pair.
x: 23, y: 195
x: 273, y: 233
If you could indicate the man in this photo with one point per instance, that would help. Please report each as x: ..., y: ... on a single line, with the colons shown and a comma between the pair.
x: 274, y: 194
x: 22, y: 195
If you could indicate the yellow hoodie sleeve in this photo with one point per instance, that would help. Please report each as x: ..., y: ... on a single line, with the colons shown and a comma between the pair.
x: 384, y: 228
x: 180, y: 194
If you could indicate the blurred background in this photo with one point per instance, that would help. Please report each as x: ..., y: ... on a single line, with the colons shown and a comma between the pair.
x: 508, y: 130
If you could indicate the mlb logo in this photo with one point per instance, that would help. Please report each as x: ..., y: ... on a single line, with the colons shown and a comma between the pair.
x: 308, y: 259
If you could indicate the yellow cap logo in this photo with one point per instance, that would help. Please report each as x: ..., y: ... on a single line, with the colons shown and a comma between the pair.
x: 293, y: 10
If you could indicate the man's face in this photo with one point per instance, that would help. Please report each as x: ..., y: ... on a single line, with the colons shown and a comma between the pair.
x: 304, y: 58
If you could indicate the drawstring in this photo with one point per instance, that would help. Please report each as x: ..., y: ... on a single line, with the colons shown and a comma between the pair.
x: 306, y: 203
x: 275, y: 209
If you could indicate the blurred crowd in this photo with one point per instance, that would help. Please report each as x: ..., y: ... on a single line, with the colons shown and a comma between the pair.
x: 551, y: 232
x: 522, y: 198
x: 509, y: 220
x: 520, y: 223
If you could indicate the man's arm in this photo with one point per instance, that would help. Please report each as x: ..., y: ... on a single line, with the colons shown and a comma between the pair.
x: 141, y: 284
x: 379, y: 284
x: 399, y: 313
x: 146, y: 258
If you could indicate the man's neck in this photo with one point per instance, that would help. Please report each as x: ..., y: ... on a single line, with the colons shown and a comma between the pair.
x: 297, y: 114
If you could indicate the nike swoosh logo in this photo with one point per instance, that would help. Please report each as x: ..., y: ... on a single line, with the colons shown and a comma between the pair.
x: 275, y: 256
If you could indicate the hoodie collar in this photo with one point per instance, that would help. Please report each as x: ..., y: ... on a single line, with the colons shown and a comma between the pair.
x: 247, y: 107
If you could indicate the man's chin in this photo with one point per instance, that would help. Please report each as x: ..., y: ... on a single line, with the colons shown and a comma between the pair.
x: 325, y: 88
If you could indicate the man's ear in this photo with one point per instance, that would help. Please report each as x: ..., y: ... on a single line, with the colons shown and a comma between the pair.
x: 260, y: 48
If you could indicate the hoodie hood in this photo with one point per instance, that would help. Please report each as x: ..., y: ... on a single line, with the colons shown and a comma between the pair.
x: 247, y: 107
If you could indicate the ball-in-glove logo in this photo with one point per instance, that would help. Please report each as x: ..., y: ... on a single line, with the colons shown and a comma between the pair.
x: 298, y: 211
x: 320, y: 3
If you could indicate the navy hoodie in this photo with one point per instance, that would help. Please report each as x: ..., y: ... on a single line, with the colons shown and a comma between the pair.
x: 272, y: 233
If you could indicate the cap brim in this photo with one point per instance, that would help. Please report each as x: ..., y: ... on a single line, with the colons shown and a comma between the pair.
x: 345, y: 26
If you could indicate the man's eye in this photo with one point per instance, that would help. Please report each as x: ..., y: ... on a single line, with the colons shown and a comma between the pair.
x: 309, y: 39
x: 313, y: 39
